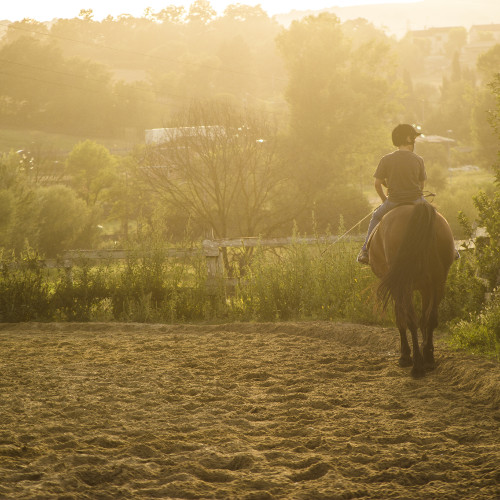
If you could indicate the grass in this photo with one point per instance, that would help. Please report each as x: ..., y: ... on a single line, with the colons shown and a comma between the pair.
x: 480, y: 333
x: 16, y: 139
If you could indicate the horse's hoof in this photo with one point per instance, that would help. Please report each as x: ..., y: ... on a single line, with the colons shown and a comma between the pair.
x: 429, y: 362
x: 430, y: 365
x: 417, y: 372
x: 405, y: 361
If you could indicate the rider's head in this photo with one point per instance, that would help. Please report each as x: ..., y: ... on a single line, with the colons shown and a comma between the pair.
x: 404, y: 135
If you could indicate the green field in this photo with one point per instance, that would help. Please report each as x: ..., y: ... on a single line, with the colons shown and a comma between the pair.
x: 16, y: 139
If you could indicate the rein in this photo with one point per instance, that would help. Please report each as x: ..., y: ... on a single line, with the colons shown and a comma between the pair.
x: 427, y: 194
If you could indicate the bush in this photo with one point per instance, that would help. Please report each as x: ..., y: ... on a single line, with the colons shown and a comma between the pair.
x: 481, y: 333
x: 60, y: 219
x: 24, y: 288
x: 152, y: 287
x: 322, y: 281
x: 79, y: 292
x: 464, y: 293
x: 298, y: 282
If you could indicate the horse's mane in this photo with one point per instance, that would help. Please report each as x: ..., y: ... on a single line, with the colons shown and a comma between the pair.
x: 412, y: 262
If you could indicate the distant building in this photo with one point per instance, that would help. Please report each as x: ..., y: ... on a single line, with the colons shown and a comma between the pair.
x: 481, y: 33
x: 433, y: 39
x: 481, y: 39
x: 157, y: 136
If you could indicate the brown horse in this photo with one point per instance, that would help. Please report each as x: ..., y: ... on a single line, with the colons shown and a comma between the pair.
x: 412, y: 249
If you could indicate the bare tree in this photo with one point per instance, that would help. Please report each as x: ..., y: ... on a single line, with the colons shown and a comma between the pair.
x: 221, y: 166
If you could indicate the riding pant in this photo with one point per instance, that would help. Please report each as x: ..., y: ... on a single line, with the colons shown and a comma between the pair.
x: 380, y: 211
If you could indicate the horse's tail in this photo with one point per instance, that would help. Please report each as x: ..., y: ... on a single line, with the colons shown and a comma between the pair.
x: 411, y: 264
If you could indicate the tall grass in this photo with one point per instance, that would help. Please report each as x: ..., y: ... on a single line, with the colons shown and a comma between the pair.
x: 322, y: 281
x: 480, y: 333
x: 297, y: 282
x: 25, y: 288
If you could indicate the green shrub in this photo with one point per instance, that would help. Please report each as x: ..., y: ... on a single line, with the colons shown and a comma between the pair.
x: 321, y: 281
x: 150, y: 286
x: 464, y: 294
x: 297, y: 282
x: 79, y: 292
x: 480, y: 333
x: 24, y: 288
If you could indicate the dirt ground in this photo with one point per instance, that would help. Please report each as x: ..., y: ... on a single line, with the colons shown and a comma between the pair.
x: 240, y: 411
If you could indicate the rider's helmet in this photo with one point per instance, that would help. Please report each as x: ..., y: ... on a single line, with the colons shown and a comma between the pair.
x: 401, y: 133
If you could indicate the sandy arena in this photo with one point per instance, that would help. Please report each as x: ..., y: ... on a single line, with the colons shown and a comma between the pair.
x: 240, y: 411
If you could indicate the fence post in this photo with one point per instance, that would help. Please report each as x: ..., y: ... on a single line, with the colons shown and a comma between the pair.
x: 68, y: 268
x: 215, y: 264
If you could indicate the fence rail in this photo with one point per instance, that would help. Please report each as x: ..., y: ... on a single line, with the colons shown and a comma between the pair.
x: 210, y: 249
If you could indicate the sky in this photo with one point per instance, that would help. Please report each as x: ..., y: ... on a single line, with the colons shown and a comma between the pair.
x: 15, y: 10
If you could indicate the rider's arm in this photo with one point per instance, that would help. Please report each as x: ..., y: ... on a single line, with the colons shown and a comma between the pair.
x: 380, y: 190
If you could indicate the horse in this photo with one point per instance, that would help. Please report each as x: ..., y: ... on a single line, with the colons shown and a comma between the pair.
x: 410, y: 250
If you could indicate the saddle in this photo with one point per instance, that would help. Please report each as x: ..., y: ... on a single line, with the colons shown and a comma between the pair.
x: 375, y: 229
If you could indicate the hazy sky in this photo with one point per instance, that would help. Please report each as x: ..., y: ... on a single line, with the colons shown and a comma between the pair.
x: 44, y: 10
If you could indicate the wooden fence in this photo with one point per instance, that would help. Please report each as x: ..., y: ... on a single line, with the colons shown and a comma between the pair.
x: 210, y: 249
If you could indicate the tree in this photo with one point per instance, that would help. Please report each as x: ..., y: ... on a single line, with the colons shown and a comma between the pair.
x: 237, y: 71
x: 27, y: 28
x: 489, y: 207
x: 342, y: 98
x: 171, y: 14
x: 220, y: 166
x: 484, y: 134
x: 489, y: 62
x: 201, y: 12
x: 239, y: 12
x: 62, y: 217
x: 457, y: 38
x: 92, y: 169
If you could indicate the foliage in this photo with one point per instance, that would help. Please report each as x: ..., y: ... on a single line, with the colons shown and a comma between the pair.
x: 223, y: 170
x: 464, y: 293
x: 342, y: 95
x: 488, y: 249
x: 92, y: 169
x: 34, y: 69
x: 24, y: 288
x: 334, y: 205
x: 480, y: 333
x: 79, y: 293
x: 68, y: 77
x: 489, y: 62
x: 152, y: 287
x: 49, y: 218
x: 457, y: 38
x: 488, y: 207
x: 61, y: 217
x: 298, y: 282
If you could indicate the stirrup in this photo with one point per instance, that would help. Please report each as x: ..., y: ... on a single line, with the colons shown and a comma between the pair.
x: 363, y: 257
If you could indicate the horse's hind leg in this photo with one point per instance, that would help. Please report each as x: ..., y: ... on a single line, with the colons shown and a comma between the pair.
x: 418, y: 360
x: 405, y: 358
x: 429, y: 322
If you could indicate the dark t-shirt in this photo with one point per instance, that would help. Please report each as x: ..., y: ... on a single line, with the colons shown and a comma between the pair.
x: 403, y: 171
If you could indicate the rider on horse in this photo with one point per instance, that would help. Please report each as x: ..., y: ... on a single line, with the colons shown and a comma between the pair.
x: 403, y: 173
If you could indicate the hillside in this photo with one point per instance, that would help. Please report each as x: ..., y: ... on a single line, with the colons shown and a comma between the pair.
x: 397, y: 19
